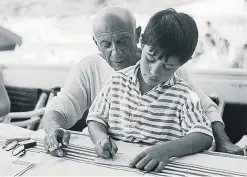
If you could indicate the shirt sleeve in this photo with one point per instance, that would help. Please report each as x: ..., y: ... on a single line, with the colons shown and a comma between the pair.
x: 210, y: 108
x: 99, y: 110
x: 4, y: 101
x: 74, y: 98
x: 193, y: 117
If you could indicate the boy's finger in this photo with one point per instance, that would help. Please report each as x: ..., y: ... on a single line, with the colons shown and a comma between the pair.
x: 151, y: 165
x: 160, y: 167
x: 101, y: 152
x: 137, y: 159
x: 66, y: 138
x: 143, y: 162
x: 105, y: 144
x: 114, y: 147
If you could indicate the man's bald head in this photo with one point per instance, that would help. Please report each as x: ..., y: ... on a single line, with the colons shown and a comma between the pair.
x: 114, y: 19
x: 115, y: 34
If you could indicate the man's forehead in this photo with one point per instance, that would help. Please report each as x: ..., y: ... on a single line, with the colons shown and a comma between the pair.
x: 110, y: 24
x: 116, y: 35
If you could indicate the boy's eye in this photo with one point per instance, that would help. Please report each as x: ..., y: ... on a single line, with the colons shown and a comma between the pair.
x: 167, y: 68
x: 105, y: 44
x: 151, y: 59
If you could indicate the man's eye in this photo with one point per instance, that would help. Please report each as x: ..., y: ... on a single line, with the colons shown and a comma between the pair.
x: 105, y: 44
x: 123, y: 41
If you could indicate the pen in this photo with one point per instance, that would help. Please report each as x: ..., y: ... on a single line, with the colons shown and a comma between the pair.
x: 111, y: 155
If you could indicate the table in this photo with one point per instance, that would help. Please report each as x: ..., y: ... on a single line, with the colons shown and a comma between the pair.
x: 81, y: 159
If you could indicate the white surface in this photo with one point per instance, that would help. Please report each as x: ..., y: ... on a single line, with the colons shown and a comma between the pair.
x: 47, y: 165
x: 229, y: 84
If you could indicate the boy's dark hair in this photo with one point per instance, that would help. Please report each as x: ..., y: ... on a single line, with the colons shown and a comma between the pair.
x: 174, y: 33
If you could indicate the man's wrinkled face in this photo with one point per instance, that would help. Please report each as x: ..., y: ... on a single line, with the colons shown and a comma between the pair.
x: 156, y: 71
x: 117, y: 44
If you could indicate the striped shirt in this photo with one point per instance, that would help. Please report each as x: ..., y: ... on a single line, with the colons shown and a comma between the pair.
x: 169, y: 111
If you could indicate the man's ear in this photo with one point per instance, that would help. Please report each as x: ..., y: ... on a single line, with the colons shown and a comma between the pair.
x: 138, y: 34
x: 96, y: 43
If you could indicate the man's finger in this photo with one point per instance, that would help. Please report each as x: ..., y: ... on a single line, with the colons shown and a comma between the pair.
x: 66, y: 138
x: 137, y: 159
x: 49, y: 143
x: 54, y: 142
x: 58, y: 153
x: 143, y: 162
x: 46, y: 144
x: 160, y: 167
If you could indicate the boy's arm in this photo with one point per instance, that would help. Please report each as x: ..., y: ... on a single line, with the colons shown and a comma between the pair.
x: 98, y: 123
x: 196, y: 129
x: 98, y: 114
x: 197, y: 137
x: 97, y: 131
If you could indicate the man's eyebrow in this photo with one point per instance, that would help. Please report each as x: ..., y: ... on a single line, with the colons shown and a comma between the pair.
x: 104, y: 41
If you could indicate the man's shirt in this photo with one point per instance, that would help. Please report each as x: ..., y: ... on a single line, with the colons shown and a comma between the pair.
x: 86, y: 80
x: 169, y: 111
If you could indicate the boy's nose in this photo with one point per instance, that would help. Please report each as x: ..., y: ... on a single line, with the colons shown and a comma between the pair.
x: 154, y: 70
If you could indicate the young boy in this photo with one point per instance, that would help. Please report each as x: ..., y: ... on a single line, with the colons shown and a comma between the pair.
x: 148, y: 103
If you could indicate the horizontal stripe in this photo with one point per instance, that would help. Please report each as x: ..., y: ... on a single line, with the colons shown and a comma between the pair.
x: 166, y: 112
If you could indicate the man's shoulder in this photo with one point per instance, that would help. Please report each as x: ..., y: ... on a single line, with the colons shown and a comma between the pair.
x: 93, y: 62
x: 91, y: 59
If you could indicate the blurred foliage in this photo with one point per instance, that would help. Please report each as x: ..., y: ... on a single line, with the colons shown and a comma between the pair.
x: 64, y: 8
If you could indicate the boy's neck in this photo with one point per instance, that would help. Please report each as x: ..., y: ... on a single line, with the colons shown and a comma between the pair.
x: 143, y: 87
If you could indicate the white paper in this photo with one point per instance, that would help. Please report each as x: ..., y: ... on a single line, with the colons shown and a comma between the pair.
x: 11, y: 165
x: 118, y: 160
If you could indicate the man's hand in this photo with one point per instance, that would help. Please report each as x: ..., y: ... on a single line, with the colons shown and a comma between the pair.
x: 154, y: 158
x: 54, y: 138
x: 223, y: 143
x: 228, y: 147
x: 104, y: 148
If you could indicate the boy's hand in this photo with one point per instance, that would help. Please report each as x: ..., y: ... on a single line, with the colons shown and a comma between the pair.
x: 154, y: 158
x: 104, y: 148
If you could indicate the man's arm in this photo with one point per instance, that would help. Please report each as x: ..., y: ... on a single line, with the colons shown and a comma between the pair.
x: 4, y: 101
x: 223, y: 143
x: 65, y: 109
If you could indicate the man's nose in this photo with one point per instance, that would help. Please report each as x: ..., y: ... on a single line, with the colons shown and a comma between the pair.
x: 116, y: 49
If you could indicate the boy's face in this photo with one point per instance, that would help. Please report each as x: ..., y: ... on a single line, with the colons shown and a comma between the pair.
x: 155, y: 71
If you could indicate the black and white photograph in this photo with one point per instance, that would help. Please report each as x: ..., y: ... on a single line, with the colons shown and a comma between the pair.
x: 123, y: 88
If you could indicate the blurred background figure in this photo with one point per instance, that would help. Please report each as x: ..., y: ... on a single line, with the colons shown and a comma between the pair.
x: 240, y: 60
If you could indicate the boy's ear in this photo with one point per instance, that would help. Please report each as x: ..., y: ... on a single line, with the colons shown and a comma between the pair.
x: 96, y: 43
x: 142, y: 45
x: 138, y: 34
